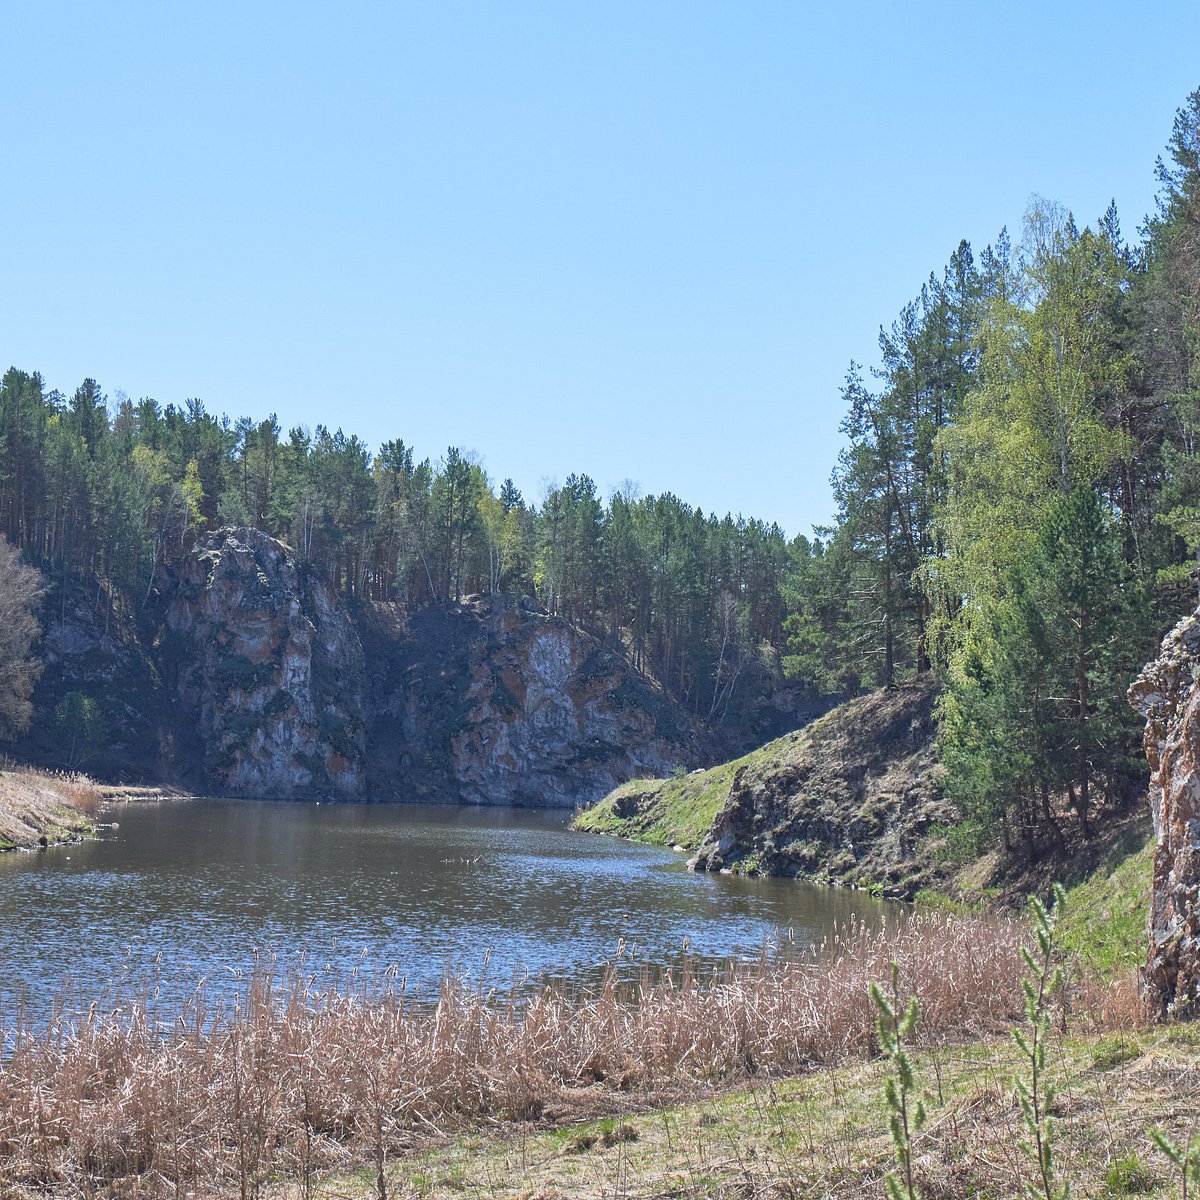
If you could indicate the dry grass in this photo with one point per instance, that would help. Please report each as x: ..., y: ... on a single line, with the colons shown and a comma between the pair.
x: 41, y: 804
x: 286, y: 1084
x: 823, y: 1135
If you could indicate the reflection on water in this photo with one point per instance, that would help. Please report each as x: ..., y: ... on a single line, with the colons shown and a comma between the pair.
x: 196, y: 889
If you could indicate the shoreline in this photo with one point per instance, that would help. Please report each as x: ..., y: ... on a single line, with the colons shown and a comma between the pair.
x: 120, y: 793
x: 40, y: 809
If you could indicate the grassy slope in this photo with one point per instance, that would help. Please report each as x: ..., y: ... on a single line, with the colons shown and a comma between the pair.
x: 35, y: 805
x: 824, y: 1134
x: 849, y: 799
x: 676, y: 811
x: 1108, y: 910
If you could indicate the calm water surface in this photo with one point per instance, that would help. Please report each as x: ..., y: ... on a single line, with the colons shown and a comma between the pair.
x: 194, y: 889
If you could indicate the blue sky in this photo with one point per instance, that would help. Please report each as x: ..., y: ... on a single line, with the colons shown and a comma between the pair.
x: 636, y: 240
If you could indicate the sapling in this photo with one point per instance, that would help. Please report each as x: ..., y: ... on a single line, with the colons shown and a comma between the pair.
x: 1185, y: 1158
x: 906, y: 1114
x: 1036, y: 1093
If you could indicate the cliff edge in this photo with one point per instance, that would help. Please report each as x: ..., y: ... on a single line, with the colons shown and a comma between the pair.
x: 269, y: 669
x: 493, y: 702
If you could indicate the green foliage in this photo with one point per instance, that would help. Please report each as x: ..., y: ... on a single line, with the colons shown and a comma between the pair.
x: 1112, y: 1051
x: 895, y: 1023
x: 80, y: 722
x: 1035, y: 706
x: 20, y: 596
x: 117, y: 494
x: 1183, y: 1156
x: 1035, y: 1092
x: 1128, y: 1175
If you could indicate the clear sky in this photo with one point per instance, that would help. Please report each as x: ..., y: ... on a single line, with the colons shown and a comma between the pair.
x: 637, y: 240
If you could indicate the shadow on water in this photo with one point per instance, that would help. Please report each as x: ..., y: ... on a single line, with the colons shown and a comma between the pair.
x: 206, y: 888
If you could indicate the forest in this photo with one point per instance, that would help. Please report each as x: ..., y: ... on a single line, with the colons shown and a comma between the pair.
x: 1018, y: 509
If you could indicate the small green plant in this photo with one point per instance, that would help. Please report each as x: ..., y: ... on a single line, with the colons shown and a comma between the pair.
x: 80, y: 722
x: 1111, y: 1052
x: 906, y: 1114
x: 1036, y: 1093
x: 1128, y: 1176
x: 1184, y: 1158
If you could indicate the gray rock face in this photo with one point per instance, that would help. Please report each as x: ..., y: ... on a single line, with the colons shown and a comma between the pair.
x: 1167, y: 694
x: 488, y: 702
x: 245, y: 674
x: 271, y: 669
x: 556, y: 719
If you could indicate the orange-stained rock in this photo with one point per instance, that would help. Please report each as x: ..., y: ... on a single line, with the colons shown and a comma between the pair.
x: 1167, y: 694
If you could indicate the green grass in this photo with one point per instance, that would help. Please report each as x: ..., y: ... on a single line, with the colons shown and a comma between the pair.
x: 929, y: 900
x: 680, y: 810
x: 1106, y: 917
x: 677, y: 811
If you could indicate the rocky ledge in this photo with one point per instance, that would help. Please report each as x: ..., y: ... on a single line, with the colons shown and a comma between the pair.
x: 853, y: 798
x: 493, y: 702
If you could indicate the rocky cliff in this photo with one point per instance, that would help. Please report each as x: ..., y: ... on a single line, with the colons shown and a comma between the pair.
x: 268, y: 669
x: 243, y: 673
x: 1167, y: 694
x: 850, y: 798
x: 493, y: 702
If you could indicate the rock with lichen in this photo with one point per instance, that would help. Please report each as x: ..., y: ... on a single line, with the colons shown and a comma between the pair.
x: 1167, y: 694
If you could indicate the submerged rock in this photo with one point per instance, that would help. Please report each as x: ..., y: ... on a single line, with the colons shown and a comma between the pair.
x: 1167, y: 694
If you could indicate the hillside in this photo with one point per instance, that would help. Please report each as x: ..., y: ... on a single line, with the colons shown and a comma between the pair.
x: 850, y: 799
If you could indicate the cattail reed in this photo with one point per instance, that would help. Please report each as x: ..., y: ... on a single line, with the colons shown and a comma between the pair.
x: 294, y: 1078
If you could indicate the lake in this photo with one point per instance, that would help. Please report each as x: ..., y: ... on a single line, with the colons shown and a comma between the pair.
x: 195, y: 889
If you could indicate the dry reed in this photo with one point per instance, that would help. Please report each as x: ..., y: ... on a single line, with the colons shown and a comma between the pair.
x: 293, y: 1079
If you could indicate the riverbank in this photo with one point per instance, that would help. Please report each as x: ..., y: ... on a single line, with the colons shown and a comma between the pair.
x: 853, y: 798
x: 290, y: 1084
x: 122, y: 793
x: 823, y: 1135
x: 39, y: 808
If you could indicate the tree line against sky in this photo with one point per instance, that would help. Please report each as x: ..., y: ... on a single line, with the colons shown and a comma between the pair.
x: 1019, y: 503
x: 1018, y: 509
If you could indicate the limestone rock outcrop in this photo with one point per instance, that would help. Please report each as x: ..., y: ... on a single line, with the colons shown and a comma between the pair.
x: 241, y: 672
x: 269, y: 668
x: 493, y: 702
x: 1167, y: 694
